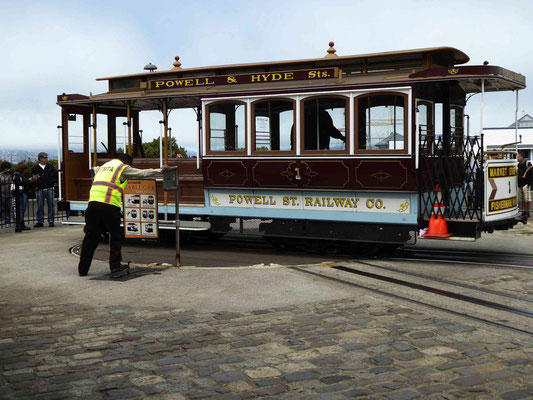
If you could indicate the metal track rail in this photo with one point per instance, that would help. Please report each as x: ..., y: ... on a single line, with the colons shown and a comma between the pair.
x: 440, y: 292
x: 483, y: 320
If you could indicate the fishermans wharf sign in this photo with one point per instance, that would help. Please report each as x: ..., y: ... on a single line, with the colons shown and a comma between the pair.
x: 262, y: 77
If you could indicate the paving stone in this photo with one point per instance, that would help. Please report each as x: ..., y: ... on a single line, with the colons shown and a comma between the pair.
x: 272, y: 390
x: 434, y: 389
x: 517, y: 394
x: 402, y: 395
x: 334, y: 379
x: 123, y: 394
x: 300, y: 376
x: 469, y: 381
x: 226, y: 377
x: 355, y: 393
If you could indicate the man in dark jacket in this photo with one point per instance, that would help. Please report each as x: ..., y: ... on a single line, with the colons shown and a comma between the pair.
x: 44, y: 176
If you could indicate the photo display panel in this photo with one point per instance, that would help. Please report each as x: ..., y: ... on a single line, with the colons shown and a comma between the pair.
x: 140, y: 210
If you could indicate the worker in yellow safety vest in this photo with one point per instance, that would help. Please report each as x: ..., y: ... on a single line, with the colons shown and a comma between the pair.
x: 103, y: 211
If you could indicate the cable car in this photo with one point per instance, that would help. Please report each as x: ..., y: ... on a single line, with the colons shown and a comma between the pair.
x: 360, y: 148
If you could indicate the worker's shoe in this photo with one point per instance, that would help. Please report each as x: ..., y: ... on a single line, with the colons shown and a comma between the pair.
x: 120, y: 271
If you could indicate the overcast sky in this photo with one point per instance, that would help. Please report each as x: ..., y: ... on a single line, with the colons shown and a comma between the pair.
x: 51, y: 47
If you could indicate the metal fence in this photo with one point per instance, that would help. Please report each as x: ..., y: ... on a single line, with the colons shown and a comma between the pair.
x: 19, y: 204
x: 451, y: 178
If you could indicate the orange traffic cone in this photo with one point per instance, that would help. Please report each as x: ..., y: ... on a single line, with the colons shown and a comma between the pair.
x: 437, y: 224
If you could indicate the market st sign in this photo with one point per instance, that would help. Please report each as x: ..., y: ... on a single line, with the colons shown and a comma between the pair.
x: 264, y: 77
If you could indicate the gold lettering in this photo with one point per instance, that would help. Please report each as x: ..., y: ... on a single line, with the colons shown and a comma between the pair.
x: 288, y: 76
x: 355, y: 201
x: 248, y: 199
x: 330, y: 204
x: 317, y: 202
x: 239, y: 199
x: 272, y: 201
x: 265, y: 77
x: 159, y: 83
x: 257, y: 199
x: 188, y: 82
x: 285, y: 200
x: 169, y: 83
x: 208, y: 82
x: 256, y: 78
x: 294, y: 198
x: 370, y: 203
x: 308, y: 201
x: 276, y: 77
x: 339, y: 201
x: 379, y: 203
x: 231, y: 198
x: 311, y: 74
x: 197, y: 82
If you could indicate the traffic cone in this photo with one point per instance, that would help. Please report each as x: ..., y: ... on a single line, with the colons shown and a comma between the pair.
x: 437, y: 224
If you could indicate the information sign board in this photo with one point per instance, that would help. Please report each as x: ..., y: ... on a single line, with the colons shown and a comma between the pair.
x: 140, y: 210
x: 500, y: 189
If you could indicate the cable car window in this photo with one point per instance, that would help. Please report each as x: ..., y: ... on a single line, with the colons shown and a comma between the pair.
x: 426, y: 130
x: 226, y: 127
x: 382, y: 122
x: 75, y: 133
x: 272, y: 126
x: 324, y: 124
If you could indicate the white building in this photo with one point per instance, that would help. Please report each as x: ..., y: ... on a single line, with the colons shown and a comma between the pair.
x: 495, y: 138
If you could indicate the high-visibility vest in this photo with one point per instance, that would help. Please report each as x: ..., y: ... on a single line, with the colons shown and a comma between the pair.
x: 106, y: 186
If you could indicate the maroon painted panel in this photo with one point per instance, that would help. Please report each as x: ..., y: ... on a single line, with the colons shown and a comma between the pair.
x: 226, y: 173
x: 309, y: 174
x: 381, y: 174
x: 276, y: 173
x: 325, y: 174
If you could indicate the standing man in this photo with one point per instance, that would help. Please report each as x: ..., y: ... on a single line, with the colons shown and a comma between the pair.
x: 103, y: 212
x: 524, y: 193
x: 44, y: 176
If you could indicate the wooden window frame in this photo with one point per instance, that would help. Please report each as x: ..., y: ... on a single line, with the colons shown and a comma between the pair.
x: 273, y: 152
x: 208, y: 129
x: 405, y: 150
x: 346, y: 150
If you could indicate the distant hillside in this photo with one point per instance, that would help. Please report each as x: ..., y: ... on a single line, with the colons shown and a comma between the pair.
x: 14, y: 156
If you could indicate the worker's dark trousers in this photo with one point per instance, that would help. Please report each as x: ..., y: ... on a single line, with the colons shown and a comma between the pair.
x: 101, y: 218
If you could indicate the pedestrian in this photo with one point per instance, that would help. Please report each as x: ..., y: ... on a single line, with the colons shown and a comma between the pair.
x: 25, y: 189
x: 6, y: 189
x: 524, y: 178
x: 44, y: 177
x: 103, y: 211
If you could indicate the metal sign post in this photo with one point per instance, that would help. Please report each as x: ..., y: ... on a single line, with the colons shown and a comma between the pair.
x: 171, y: 182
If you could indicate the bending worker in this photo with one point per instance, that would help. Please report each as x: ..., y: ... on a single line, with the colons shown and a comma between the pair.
x: 103, y: 212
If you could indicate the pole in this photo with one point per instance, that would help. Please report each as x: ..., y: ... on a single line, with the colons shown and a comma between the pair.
x: 199, y: 119
x: 59, y: 160
x: 165, y: 147
x: 516, y: 123
x: 89, y: 146
x: 95, y: 148
x: 178, y: 256
x: 128, y: 106
x: 124, y: 124
x: 161, y: 144
x: 482, y: 104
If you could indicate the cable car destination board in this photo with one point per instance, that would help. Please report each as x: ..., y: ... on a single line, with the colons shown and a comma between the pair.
x: 140, y: 209
x: 264, y: 77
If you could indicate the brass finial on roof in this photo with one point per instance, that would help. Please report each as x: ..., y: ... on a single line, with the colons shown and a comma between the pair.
x: 177, y: 64
x: 331, y: 51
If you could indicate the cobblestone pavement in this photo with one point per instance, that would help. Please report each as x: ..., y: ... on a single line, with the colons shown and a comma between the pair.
x: 365, y: 347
